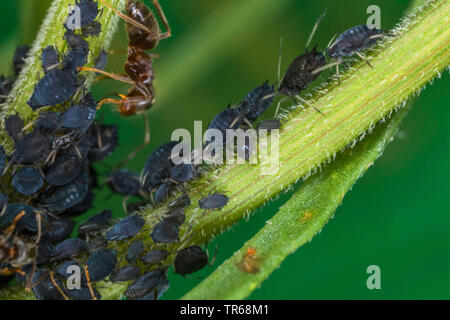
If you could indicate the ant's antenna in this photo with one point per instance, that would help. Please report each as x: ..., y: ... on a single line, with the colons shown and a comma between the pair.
x: 315, y: 29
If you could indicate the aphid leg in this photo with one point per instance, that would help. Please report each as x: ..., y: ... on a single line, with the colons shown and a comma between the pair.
x: 163, y: 18
x: 338, y: 75
x: 308, y: 104
x: 88, y: 280
x: 331, y: 41
x: 52, y: 279
x: 279, y: 60
x: 214, y: 258
x: 125, y: 17
x: 364, y: 58
x: 139, y: 148
x: 315, y: 29
x: 277, y: 110
x: 124, y: 204
x: 114, y: 76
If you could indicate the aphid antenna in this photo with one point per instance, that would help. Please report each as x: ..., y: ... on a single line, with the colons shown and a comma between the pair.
x: 331, y: 43
x: 316, y: 25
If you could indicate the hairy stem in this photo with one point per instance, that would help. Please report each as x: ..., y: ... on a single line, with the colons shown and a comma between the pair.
x: 297, y: 221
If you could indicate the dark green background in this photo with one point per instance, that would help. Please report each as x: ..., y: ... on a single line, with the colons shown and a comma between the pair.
x: 396, y: 216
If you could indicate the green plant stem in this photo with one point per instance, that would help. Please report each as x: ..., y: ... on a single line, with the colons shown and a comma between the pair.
x: 402, y: 66
x: 297, y: 221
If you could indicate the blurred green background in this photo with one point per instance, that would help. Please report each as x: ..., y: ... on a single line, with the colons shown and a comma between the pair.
x: 397, y: 216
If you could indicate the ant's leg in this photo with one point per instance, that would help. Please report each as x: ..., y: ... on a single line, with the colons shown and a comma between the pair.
x: 9, y: 231
x: 126, y: 18
x: 108, y: 74
x: 52, y: 279
x: 163, y: 18
x: 364, y: 58
x: 308, y: 104
x: 88, y: 279
x: 10, y: 271
x: 112, y: 101
x: 135, y: 151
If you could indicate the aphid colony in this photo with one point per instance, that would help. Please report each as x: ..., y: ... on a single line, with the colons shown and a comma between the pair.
x: 49, y: 176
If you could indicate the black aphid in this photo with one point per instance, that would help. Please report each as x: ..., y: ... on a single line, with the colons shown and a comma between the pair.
x: 190, y: 260
x: 88, y: 12
x: 126, y: 228
x: 105, y: 139
x: 183, y: 172
x: 49, y: 58
x: 213, y: 201
x: 135, y: 251
x: 155, y: 256
x: 45, y: 290
x: 59, y: 229
x: 125, y: 273
x: 125, y: 182
x: 353, y: 41
x: 14, y: 125
x: 75, y: 58
x: 2, y: 160
x: 64, y: 170
x: 162, y: 286
x: 95, y: 223
x: 32, y: 148
x: 80, y: 115
x: 27, y: 222
x: 68, y: 195
x: 48, y: 122
x: 27, y: 181
x: 176, y: 216
x: 165, y: 231
x: 253, y: 105
x: 162, y: 193
x: 269, y: 124
x: 300, y: 74
x: 75, y: 41
x: 180, y: 202
x: 157, y: 166
x: 20, y: 55
x: 46, y: 252
x: 230, y: 118
x: 56, y: 87
x: 135, y: 206
x: 146, y: 284
x: 101, y: 264
x: 69, y: 248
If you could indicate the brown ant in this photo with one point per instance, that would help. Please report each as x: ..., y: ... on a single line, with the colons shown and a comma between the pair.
x: 143, y: 34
